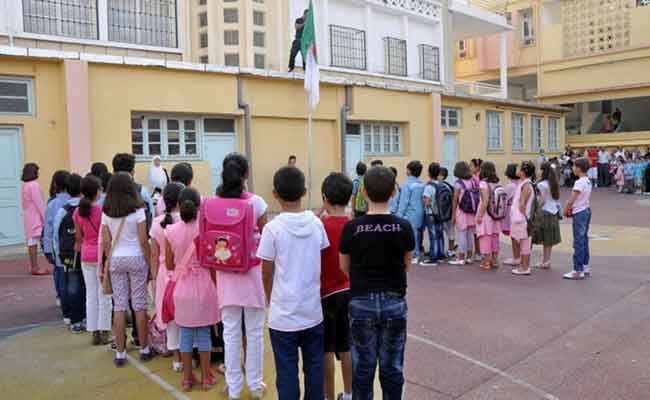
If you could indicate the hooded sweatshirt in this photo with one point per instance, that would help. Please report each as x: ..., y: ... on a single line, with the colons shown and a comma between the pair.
x: 293, y: 241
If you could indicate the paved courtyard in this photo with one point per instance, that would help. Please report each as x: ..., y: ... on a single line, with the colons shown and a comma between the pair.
x: 472, y: 334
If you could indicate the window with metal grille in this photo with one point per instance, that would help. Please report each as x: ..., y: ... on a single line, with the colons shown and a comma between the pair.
x: 259, y: 18
x: 450, y: 118
x: 204, y: 60
x: 381, y: 139
x: 203, y: 19
x: 259, y: 39
x: 231, y: 38
x: 462, y: 49
x: 16, y: 96
x: 203, y: 2
x: 76, y: 19
x: 230, y: 15
x: 527, y: 27
x: 553, y: 134
x: 203, y: 40
x: 146, y: 22
x: 168, y: 137
x: 429, y: 62
x: 518, y: 141
x: 260, y: 61
x: 232, y: 59
x: 395, y: 56
x: 537, y: 132
x: 347, y: 47
x: 494, y: 130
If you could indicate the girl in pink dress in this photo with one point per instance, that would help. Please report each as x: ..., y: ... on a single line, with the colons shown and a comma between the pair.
x: 487, y: 229
x: 511, y: 188
x: 464, y: 222
x: 475, y: 167
x: 520, y: 211
x: 33, y: 214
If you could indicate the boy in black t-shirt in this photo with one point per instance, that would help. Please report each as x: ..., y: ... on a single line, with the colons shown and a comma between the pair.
x: 376, y: 252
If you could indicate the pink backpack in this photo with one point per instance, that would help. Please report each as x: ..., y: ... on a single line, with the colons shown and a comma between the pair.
x: 497, y: 202
x: 227, y: 234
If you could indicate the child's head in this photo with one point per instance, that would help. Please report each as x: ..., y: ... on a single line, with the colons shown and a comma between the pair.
x: 489, y: 172
x: 581, y: 166
x: 394, y: 171
x: 59, y: 180
x: 361, y: 168
x: 511, y: 172
x: 170, y: 197
x: 444, y: 173
x: 414, y: 168
x: 100, y: 170
x: 292, y: 161
x: 124, y: 162
x: 233, y: 176
x: 337, y: 190
x: 189, y: 201
x: 462, y: 170
x: 376, y: 163
x: 122, y: 198
x: 90, y: 187
x: 30, y: 172
x: 527, y: 170
x: 434, y: 170
x: 379, y: 185
x: 549, y: 175
x: 73, y: 185
x: 289, y: 184
x: 183, y: 173
x: 475, y: 165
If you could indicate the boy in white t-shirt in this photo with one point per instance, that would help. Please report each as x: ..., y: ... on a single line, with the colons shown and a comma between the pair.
x: 290, y: 248
x: 578, y: 208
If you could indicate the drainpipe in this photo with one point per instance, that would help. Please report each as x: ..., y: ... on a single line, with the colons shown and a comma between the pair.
x: 242, y: 105
x: 345, y: 109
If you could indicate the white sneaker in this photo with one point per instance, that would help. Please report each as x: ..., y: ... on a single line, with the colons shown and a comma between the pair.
x: 58, y: 302
x: 587, y: 270
x: 67, y: 321
x: 258, y: 394
x: 478, y: 258
x: 456, y: 262
x: 574, y: 275
x: 415, y: 261
x: 451, y: 254
x: 177, y: 366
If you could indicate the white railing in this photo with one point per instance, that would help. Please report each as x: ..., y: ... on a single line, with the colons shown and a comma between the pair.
x: 478, y: 89
x: 426, y: 8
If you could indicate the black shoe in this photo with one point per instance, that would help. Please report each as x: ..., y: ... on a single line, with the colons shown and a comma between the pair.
x: 119, y: 362
x: 144, y: 357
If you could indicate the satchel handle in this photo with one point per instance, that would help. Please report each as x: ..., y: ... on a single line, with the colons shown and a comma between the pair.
x: 116, y: 238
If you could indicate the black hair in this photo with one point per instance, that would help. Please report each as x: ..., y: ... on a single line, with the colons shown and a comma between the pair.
x: 511, y: 171
x: 170, y: 197
x: 90, y: 186
x: 444, y: 172
x: 30, y: 172
x: 415, y: 167
x: 183, y: 173
x: 393, y: 170
x: 583, y: 164
x: 548, y: 174
x: 462, y: 171
x: 233, y: 176
x: 476, y: 162
x: 189, y: 201
x: 100, y: 170
x: 361, y: 168
x: 122, y: 198
x: 221, y: 239
x: 488, y: 172
x: 289, y: 184
x: 292, y: 157
x: 337, y: 189
x: 124, y: 162
x: 376, y: 163
x: 528, y: 167
x: 73, y: 185
x: 434, y: 170
x: 59, y: 181
x: 379, y: 183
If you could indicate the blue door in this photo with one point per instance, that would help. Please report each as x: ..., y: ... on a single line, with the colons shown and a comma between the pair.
x: 451, y: 154
x: 215, y: 149
x: 352, y: 154
x: 11, y: 228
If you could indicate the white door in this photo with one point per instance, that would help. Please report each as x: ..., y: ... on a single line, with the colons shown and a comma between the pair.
x: 11, y: 215
x: 352, y: 154
x: 215, y: 149
x: 451, y: 154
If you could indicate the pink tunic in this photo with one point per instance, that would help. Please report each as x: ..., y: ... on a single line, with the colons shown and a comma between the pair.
x: 464, y: 220
x: 33, y: 209
x: 158, y: 234
x: 518, y: 223
x: 510, y: 190
x: 488, y: 226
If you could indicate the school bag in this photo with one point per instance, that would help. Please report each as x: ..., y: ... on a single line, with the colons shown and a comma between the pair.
x: 469, y: 198
x: 359, y: 200
x: 444, y: 200
x: 534, y: 219
x: 497, y: 202
x: 70, y: 258
x: 227, y: 234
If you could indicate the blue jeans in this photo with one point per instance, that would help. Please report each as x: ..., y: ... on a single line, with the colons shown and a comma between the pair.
x: 59, y: 285
x: 581, y: 223
x: 285, y: 351
x: 377, y: 334
x: 436, y: 238
x: 74, y: 299
x: 199, y: 335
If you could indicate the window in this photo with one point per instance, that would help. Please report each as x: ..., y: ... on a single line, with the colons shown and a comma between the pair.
x: 16, y: 96
x: 204, y: 60
x: 231, y: 38
x: 450, y: 117
x: 203, y: 39
x: 537, y: 132
x: 167, y: 137
x: 395, y: 53
x: 259, y: 39
x: 203, y: 2
x: 218, y: 125
x: 146, y: 22
x: 348, y: 47
x: 553, y: 133
x: 642, y: 3
x: 509, y: 18
x: 527, y: 28
x: 232, y: 59
x: 517, y: 132
x: 77, y: 19
x: 258, y: 18
x: 381, y: 139
x: 429, y: 62
x: 462, y: 49
x: 260, y: 61
x: 230, y: 15
x: 494, y: 130
x: 203, y: 19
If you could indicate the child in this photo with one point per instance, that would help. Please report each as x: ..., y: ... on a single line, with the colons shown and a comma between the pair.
x: 620, y: 174
x: 432, y: 221
x: 394, y: 201
x: 520, y: 212
x: 475, y: 167
x: 464, y: 221
x: 410, y: 206
x: 33, y: 206
x: 511, y: 188
x: 638, y: 175
x: 59, y: 197
x: 549, y: 195
x: 375, y: 253
x: 358, y: 202
x: 488, y: 229
x: 579, y: 209
x: 335, y: 286
x: 448, y: 226
x: 628, y: 173
x: 290, y: 249
x: 195, y: 294
x: 159, y: 273
x: 183, y: 174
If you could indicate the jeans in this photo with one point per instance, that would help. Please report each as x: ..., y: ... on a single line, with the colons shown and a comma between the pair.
x: 75, y: 296
x: 377, y: 334
x: 436, y: 238
x: 581, y: 223
x: 295, y: 49
x: 200, y: 336
x: 59, y: 286
x: 285, y: 351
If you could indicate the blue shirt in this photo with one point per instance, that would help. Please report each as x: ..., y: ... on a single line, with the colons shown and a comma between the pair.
x: 53, y: 207
x: 394, y: 201
x: 57, y: 223
x: 410, y: 205
x: 430, y: 193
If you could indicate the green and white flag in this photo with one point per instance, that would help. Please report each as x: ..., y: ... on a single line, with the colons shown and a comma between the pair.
x: 308, y: 50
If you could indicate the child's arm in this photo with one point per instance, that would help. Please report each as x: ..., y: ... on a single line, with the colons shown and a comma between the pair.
x: 454, y: 205
x: 144, y: 241
x: 344, y: 264
x: 77, y: 237
x: 155, y: 256
x: 485, y: 197
x: 569, y: 205
x: 107, y: 242
x: 523, y: 201
x: 169, y: 256
x: 268, y: 269
x: 407, y: 261
x: 403, y: 201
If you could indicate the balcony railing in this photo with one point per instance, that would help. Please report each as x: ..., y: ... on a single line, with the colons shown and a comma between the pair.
x: 478, y: 89
x: 426, y: 8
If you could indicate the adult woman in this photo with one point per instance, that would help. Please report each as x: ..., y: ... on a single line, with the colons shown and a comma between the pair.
x: 548, y: 233
x: 33, y: 214
x: 124, y: 222
x: 158, y: 178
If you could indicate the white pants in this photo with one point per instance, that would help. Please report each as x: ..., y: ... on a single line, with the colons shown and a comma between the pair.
x: 173, y: 336
x: 98, y: 305
x: 232, y: 337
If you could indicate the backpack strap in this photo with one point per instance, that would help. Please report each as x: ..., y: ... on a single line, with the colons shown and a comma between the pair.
x: 181, y: 269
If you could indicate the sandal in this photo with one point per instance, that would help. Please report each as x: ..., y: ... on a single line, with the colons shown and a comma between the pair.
x: 486, y: 266
x: 209, y: 382
x: 188, y: 383
x: 543, y: 265
x: 512, y: 261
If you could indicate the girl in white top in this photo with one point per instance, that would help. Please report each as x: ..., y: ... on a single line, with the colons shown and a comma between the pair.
x: 548, y: 234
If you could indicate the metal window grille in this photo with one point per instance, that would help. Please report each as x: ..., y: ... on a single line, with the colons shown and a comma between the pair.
x: 642, y: 3
x: 260, y: 61
x: 553, y: 133
x: 347, y: 47
x: 395, y: 52
x: 259, y: 39
x: 232, y: 59
x: 70, y: 18
x: 517, y: 131
x: 429, y: 62
x: 167, y: 137
x: 203, y: 19
x: 259, y: 18
x: 204, y: 59
x: 537, y: 132
x: 146, y: 22
x: 230, y: 15
x: 16, y: 96
x: 203, y: 40
x: 203, y: 2
x: 494, y: 130
x: 231, y: 37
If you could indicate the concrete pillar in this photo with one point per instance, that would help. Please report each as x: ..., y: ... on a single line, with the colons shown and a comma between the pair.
x: 438, y: 134
x: 503, y: 64
x: 448, y: 73
x: 324, y: 47
x: 77, y: 110
x: 370, y: 37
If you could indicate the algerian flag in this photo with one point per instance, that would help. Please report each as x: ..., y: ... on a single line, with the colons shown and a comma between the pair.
x: 308, y: 50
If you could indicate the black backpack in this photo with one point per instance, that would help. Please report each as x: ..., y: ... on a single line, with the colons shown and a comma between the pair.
x: 70, y: 259
x: 444, y: 200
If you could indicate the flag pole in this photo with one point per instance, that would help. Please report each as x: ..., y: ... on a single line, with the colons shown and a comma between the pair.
x: 310, y: 159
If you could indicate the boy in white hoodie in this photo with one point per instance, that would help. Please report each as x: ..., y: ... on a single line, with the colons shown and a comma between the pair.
x: 290, y: 249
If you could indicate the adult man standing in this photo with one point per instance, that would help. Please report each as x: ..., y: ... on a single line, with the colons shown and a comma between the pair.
x: 603, y: 168
x: 297, y: 42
